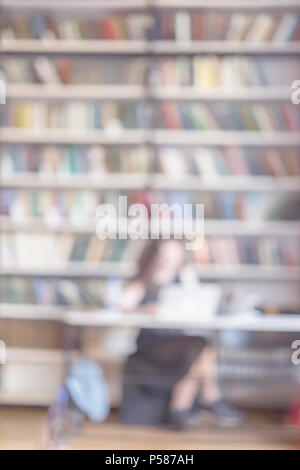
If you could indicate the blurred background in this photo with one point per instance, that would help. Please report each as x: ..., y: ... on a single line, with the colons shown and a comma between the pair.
x: 161, y: 102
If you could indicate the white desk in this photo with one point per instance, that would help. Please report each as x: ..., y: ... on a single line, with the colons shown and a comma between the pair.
x: 106, y: 318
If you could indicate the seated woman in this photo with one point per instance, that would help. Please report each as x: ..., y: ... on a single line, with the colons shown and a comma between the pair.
x: 171, y: 378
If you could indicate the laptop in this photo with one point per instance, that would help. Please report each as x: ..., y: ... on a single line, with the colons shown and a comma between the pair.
x: 196, y: 302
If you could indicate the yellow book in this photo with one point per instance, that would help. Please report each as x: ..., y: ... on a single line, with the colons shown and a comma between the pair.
x: 96, y: 250
x: 205, y: 72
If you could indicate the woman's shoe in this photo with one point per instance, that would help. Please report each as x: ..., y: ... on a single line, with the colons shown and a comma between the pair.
x: 179, y: 419
x: 219, y: 413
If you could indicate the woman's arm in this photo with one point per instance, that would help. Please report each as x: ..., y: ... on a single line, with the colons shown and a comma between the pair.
x: 132, y: 296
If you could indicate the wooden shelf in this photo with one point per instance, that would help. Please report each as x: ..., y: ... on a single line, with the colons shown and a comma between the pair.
x: 75, y: 5
x: 228, y: 183
x: 72, y: 270
x: 78, y: 5
x: 129, y: 181
x: 251, y: 228
x: 216, y: 272
x: 212, y: 227
x: 74, y: 46
x: 136, y: 181
x: 224, y: 47
x: 86, y: 46
x: 136, y: 92
x: 31, y: 312
x: 229, y: 4
x: 249, y: 273
x: 36, y: 225
x: 66, y: 92
x: 63, y: 136
x: 156, y: 137
x: 213, y: 138
x: 190, y: 93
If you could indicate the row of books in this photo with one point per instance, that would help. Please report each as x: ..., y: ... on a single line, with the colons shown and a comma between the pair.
x: 98, y: 160
x: 212, y: 26
x: 118, y: 27
x: 167, y: 25
x: 262, y: 251
x: 69, y: 160
x: 79, y: 206
x: 40, y: 250
x: 35, y: 250
x: 76, y: 70
x: 250, y: 206
x: 209, y: 72
x: 76, y: 115
x: 254, y: 117
x: 67, y: 293
x: 210, y: 162
x: 200, y: 71
x: 167, y: 115
x: 48, y: 291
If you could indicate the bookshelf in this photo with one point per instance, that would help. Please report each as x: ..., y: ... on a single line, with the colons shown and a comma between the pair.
x: 31, y: 312
x: 103, y: 92
x: 152, y: 93
x: 192, y: 93
x: 156, y: 137
x: 141, y: 4
x: 74, y: 269
x: 133, y: 181
x: 74, y: 47
x: 82, y: 92
x: 212, y: 227
x: 75, y: 4
x: 217, y: 47
x: 142, y: 47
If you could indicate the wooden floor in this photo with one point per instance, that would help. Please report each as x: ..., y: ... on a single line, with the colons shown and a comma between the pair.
x: 22, y: 428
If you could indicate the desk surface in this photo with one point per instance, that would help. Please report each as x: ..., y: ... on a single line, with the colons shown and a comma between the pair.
x: 282, y: 323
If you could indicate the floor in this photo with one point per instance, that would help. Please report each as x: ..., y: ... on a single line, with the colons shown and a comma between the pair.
x: 24, y: 428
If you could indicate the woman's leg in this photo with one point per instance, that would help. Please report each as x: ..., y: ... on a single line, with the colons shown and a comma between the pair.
x: 210, y: 391
x: 202, y: 374
x: 201, y: 380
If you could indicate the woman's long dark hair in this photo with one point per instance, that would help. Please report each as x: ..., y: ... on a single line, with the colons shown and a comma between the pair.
x: 148, y: 259
x: 147, y: 262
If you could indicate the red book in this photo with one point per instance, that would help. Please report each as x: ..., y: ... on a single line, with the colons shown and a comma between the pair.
x: 167, y: 25
x: 236, y: 161
x: 64, y: 71
x: 296, y: 35
x: 108, y: 29
x: 197, y: 26
x: 292, y: 162
x: 290, y: 255
x: 171, y: 115
x: 273, y: 163
x: 294, y: 417
x: 51, y: 24
x: 290, y: 117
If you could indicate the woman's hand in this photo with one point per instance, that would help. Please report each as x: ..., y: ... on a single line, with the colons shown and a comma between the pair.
x: 150, y: 309
x: 132, y: 296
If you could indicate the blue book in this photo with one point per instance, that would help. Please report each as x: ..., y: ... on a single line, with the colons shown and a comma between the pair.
x: 228, y: 205
x: 38, y: 26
